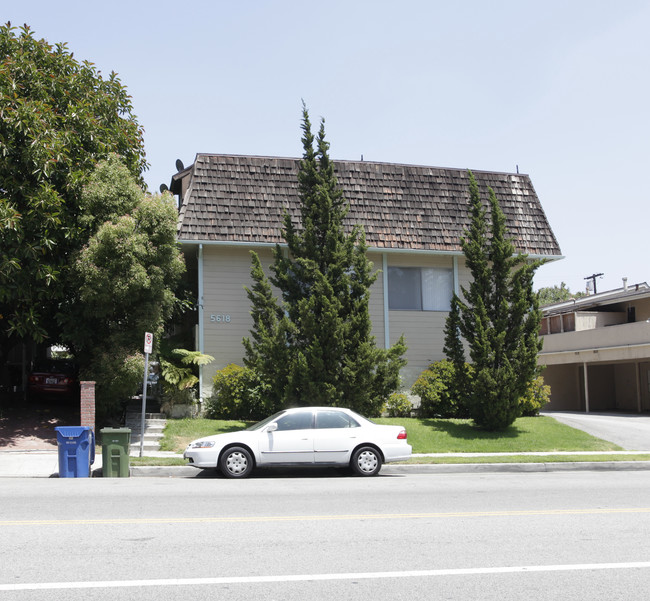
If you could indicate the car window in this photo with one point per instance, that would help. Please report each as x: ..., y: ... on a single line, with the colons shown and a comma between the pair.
x: 334, y: 419
x: 301, y: 420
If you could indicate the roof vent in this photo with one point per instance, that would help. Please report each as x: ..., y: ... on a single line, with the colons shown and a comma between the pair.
x: 624, y: 284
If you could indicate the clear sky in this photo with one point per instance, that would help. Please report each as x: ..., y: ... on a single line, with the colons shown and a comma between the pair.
x: 559, y: 88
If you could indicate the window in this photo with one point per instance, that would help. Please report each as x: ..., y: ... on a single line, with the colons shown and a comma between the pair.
x: 296, y: 421
x: 419, y: 288
x: 334, y: 419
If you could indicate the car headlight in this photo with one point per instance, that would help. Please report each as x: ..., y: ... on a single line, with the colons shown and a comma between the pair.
x: 202, y: 444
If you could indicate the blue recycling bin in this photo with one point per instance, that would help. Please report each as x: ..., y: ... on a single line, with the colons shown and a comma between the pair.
x: 76, y: 451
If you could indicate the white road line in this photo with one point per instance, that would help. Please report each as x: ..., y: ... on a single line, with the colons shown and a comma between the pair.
x: 34, y: 586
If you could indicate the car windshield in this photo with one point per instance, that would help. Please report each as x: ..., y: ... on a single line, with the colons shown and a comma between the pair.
x: 263, y: 423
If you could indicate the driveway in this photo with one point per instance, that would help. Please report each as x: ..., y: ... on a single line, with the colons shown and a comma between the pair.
x: 629, y: 431
x: 30, y: 426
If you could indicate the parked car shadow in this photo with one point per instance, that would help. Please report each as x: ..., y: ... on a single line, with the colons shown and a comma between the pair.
x: 289, y: 472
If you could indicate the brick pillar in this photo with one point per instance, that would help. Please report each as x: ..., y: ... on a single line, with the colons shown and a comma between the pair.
x: 88, y: 404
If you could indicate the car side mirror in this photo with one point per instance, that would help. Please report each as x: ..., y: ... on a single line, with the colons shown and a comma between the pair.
x: 272, y: 427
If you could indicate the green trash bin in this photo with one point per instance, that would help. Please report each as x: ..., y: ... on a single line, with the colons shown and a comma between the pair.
x: 115, y: 452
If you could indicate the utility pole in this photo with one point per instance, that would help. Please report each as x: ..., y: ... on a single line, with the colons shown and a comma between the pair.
x: 593, y: 279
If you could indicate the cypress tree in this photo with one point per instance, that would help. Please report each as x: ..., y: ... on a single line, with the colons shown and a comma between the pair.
x: 320, y: 330
x: 267, y: 352
x: 498, y: 316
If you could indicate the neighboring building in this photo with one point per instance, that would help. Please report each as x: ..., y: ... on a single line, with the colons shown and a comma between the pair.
x: 413, y: 218
x: 597, y: 351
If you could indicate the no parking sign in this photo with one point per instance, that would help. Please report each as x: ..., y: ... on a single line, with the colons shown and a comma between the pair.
x: 148, y: 348
x: 148, y: 343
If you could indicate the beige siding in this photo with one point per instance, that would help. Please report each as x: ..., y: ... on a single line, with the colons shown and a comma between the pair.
x: 376, y: 305
x: 226, y: 307
x: 227, y: 317
x: 423, y: 330
x: 425, y: 339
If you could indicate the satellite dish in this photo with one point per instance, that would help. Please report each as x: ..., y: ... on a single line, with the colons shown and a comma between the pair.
x: 179, y: 165
x: 163, y: 188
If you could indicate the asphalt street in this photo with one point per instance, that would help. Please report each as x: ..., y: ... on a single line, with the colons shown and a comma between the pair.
x: 576, y: 535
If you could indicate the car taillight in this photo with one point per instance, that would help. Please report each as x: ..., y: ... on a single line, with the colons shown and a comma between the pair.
x: 34, y: 379
x: 402, y: 435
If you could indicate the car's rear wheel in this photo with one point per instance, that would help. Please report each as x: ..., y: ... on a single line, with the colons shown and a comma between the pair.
x: 366, y: 461
x: 236, y: 462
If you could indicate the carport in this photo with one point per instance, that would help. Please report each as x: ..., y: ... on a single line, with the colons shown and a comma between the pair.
x: 596, y: 350
x: 605, y: 379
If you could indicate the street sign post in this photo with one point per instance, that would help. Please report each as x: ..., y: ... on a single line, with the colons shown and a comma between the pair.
x: 148, y: 347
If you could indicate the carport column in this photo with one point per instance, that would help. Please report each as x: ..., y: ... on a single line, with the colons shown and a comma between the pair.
x: 584, y: 370
x: 88, y: 404
x: 637, y: 365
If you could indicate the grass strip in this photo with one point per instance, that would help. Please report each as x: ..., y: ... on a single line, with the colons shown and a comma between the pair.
x: 179, y: 461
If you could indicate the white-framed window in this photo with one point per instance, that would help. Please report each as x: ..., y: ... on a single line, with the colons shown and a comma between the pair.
x: 420, y: 288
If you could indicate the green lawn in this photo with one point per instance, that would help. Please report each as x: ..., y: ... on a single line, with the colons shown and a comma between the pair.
x: 433, y: 435
x: 179, y: 432
x: 526, y: 434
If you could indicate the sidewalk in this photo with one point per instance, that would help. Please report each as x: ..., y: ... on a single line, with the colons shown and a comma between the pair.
x: 45, y: 464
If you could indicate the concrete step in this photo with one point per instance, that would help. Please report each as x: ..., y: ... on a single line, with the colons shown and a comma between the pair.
x: 138, y: 415
x: 148, y: 426
x: 154, y: 424
x: 149, y: 420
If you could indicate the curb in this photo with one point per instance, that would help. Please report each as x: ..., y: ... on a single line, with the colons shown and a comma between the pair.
x: 470, y: 468
x: 438, y: 468
x: 186, y: 471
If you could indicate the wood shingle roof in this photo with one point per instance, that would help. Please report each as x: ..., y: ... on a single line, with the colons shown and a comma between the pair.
x: 242, y: 199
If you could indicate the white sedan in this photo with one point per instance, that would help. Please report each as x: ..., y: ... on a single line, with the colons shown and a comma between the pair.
x: 306, y: 436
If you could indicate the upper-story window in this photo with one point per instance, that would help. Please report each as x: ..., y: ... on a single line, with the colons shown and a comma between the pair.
x: 420, y: 288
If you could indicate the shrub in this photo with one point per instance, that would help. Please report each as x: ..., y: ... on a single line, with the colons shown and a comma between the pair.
x: 238, y: 393
x: 398, y: 405
x: 118, y: 376
x: 435, y: 388
x: 536, y: 397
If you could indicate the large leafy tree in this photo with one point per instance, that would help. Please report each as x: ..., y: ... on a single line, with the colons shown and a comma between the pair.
x: 498, y: 316
x: 314, y: 346
x: 58, y: 118
x: 123, y: 280
x: 556, y: 294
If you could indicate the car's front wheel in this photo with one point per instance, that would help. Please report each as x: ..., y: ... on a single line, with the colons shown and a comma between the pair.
x: 366, y: 461
x: 236, y: 462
